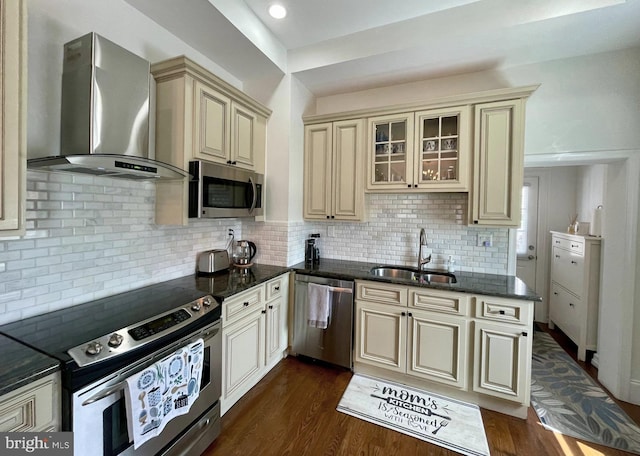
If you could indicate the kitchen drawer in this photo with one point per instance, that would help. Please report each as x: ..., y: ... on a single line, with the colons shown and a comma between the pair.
x: 565, y: 310
x: 504, y: 310
x: 439, y: 301
x: 237, y: 306
x: 382, y: 293
x: 567, y: 269
x: 277, y: 287
x: 573, y: 245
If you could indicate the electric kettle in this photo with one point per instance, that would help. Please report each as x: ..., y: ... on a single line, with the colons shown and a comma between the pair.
x: 243, y: 253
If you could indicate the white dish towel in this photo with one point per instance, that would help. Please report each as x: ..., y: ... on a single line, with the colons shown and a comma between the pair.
x: 319, y: 306
x: 163, y: 391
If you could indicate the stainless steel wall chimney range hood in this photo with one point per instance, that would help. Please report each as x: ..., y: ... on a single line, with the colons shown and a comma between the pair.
x: 104, y: 128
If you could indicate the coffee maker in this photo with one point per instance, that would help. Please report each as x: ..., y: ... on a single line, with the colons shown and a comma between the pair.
x: 311, y: 250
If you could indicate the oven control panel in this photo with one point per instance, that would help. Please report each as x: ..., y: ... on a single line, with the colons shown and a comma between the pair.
x: 131, y: 337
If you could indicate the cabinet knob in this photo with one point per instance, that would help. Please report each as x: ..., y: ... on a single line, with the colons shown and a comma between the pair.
x: 557, y: 242
x: 328, y: 216
x: 501, y: 312
x: 333, y: 216
x: 574, y: 245
x: 404, y: 314
x: 246, y: 304
x: 270, y: 307
x: 475, y: 222
x: 415, y: 185
x: 571, y: 304
x: 408, y: 185
x: 276, y: 288
x: 264, y: 311
x: 233, y: 162
x: 574, y: 262
x: 525, y: 334
x: 555, y: 293
x: 228, y: 162
x: 557, y: 256
x: 410, y: 314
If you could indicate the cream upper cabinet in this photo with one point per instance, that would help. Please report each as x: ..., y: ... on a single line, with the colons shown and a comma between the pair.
x: 498, y: 164
x: 426, y: 150
x: 13, y: 95
x: 201, y: 117
x: 333, y: 170
x: 211, y: 124
x: 390, y: 152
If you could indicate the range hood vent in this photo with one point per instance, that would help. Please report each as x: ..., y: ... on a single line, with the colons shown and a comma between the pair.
x: 104, y: 120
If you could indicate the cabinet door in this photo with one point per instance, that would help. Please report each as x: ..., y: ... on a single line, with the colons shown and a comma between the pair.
x: 443, y: 149
x: 498, y: 164
x: 276, y: 329
x: 502, y: 361
x: 13, y: 82
x: 318, y: 145
x: 438, y: 348
x: 381, y: 336
x: 212, y: 129
x: 348, y: 189
x: 243, y: 121
x: 243, y: 353
x: 390, y: 152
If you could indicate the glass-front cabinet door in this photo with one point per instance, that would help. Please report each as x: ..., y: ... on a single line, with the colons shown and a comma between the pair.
x: 391, y: 152
x: 442, y: 149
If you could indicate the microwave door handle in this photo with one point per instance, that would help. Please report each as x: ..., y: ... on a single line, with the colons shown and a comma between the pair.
x: 255, y: 195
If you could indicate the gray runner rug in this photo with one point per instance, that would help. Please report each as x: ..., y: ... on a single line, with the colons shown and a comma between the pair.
x: 568, y: 401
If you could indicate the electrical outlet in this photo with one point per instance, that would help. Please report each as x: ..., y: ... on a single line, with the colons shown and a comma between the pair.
x: 485, y: 240
x: 331, y: 231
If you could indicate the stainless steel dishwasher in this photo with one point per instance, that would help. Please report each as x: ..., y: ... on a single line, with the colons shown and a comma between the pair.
x: 335, y: 343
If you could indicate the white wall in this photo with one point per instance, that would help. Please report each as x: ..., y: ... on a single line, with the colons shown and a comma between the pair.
x: 591, y: 191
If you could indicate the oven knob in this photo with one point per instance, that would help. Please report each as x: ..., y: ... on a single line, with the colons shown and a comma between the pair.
x: 206, y: 301
x: 93, y: 348
x: 115, y: 340
x: 195, y: 307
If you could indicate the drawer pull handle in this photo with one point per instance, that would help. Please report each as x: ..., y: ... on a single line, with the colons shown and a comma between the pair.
x: 557, y: 242
x: 557, y: 256
x: 246, y: 304
x: 270, y: 307
x: 571, y: 304
x: 276, y: 288
x: 574, y: 245
x: 574, y: 262
x: 501, y: 312
x: 264, y: 311
x: 525, y: 334
x: 555, y: 293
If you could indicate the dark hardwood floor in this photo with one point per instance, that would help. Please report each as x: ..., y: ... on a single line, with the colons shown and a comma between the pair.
x: 292, y: 411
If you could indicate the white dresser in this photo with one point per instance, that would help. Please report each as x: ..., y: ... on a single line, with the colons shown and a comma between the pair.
x: 575, y: 288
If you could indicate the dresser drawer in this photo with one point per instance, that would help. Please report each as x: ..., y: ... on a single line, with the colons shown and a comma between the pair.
x: 567, y: 269
x: 439, y: 301
x: 573, y: 245
x: 565, y: 310
x: 504, y: 310
x: 382, y: 293
x: 237, y: 306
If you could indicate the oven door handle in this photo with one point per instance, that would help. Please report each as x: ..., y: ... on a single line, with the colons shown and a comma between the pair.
x: 120, y: 385
x: 105, y: 393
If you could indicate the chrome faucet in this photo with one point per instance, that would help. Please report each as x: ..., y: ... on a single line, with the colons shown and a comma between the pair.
x: 423, y: 243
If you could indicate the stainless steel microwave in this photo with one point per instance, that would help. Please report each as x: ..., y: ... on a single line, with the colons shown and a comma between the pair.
x: 219, y: 191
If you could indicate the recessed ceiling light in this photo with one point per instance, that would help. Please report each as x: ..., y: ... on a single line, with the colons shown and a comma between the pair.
x: 277, y: 11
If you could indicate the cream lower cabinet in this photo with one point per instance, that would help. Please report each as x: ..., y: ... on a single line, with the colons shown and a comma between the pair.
x: 333, y: 171
x: 34, y: 407
x: 498, y: 160
x: 401, y: 337
x: 254, y: 337
x: 13, y: 115
x: 475, y: 348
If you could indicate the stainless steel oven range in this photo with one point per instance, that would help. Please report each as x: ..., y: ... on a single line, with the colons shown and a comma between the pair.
x: 102, y: 343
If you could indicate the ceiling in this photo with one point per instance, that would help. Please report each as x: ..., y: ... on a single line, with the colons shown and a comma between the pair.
x: 336, y: 46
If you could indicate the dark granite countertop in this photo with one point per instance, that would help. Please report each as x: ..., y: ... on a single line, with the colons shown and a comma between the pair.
x: 22, y: 365
x: 225, y: 284
x: 466, y: 282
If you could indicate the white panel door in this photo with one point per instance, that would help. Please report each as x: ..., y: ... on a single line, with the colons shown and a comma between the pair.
x: 381, y: 337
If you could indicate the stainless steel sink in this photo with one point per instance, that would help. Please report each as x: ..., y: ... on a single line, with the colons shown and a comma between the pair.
x: 396, y: 272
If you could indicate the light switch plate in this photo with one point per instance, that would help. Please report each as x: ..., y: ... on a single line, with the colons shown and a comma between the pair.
x: 485, y: 240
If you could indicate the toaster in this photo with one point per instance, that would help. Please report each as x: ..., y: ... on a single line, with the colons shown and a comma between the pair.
x: 212, y: 261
